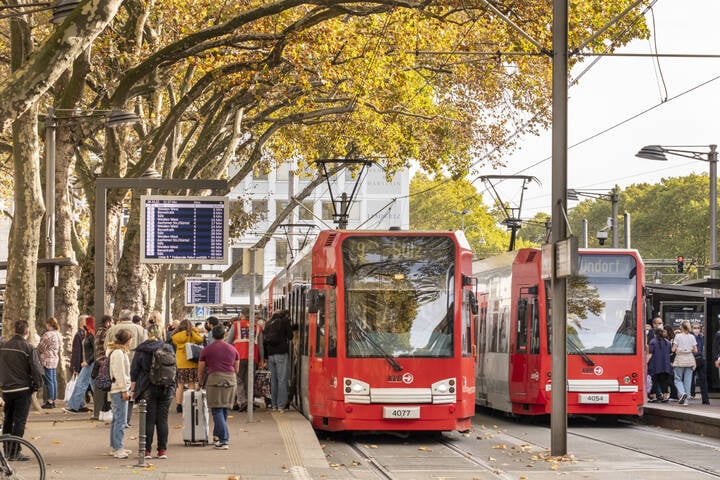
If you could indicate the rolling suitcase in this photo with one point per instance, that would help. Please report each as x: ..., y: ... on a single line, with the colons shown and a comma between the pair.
x: 262, y: 386
x: 196, y: 427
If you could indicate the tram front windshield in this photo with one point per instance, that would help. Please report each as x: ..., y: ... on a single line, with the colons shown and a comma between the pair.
x: 399, y: 293
x: 602, y: 306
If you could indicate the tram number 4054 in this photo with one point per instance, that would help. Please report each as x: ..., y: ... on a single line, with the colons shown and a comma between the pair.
x: 401, y: 413
x: 594, y: 398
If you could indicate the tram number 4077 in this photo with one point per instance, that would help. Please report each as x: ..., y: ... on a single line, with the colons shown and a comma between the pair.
x: 401, y: 413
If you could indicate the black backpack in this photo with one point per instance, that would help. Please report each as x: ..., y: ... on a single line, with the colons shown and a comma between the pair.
x: 103, y: 381
x: 273, y: 332
x: 163, y: 367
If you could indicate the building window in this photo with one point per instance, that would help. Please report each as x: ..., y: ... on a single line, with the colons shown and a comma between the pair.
x: 260, y: 208
x: 280, y: 205
x: 327, y: 211
x: 306, y: 211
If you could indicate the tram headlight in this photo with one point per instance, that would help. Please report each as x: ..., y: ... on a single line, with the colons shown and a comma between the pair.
x: 443, y: 391
x: 356, y: 387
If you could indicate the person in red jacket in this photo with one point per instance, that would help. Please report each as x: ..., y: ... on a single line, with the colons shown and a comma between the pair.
x: 239, y: 337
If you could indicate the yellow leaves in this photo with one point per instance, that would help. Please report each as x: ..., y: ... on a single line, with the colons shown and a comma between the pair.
x: 500, y: 446
x: 56, y: 442
x: 101, y: 467
x: 425, y: 449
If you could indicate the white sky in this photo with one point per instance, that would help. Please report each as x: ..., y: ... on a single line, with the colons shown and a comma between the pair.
x: 618, y: 88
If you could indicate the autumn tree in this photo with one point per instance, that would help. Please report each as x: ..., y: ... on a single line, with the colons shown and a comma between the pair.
x: 228, y: 90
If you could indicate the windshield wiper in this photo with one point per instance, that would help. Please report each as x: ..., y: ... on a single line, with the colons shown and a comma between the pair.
x: 576, y: 347
x: 395, y: 365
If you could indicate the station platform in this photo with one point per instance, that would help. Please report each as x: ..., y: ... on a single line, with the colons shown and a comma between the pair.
x: 695, y: 419
x: 274, y: 445
x: 277, y: 445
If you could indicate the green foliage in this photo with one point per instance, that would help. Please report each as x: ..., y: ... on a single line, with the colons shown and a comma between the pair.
x: 433, y: 201
x: 668, y: 219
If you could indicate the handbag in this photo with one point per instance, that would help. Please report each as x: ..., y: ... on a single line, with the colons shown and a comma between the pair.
x: 69, y: 387
x: 192, y: 352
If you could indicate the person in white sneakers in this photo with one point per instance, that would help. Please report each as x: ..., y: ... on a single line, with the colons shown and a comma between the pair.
x: 120, y: 391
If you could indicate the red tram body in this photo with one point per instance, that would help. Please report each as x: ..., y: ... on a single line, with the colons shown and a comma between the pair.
x: 605, y: 334
x: 384, y: 337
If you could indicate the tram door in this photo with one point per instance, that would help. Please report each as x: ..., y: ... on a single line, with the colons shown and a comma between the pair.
x: 323, y: 364
x: 712, y: 342
x: 525, y: 358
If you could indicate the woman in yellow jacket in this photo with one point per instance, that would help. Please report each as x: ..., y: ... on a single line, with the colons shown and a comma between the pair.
x: 186, y: 369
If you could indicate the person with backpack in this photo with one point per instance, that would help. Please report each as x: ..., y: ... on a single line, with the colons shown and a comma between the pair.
x: 277, y: 335
x: 152, y: 377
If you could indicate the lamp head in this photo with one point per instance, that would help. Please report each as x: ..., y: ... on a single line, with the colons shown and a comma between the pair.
x: 652, y: 152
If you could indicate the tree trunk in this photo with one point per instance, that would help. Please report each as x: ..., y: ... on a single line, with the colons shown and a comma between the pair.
x: 131, y: 293
x: 25, y: 229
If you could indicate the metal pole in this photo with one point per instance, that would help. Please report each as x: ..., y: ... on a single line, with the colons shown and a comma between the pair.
x: 251, y: 341
x: 614, y: 200
x: 627, y: 230
x: 50, y: 146
x: 584, y: 233
x: 142, y: 434
x: 100, y: 232
x: 168, y: 298
x: 712, y: 158
x: 558, y: 416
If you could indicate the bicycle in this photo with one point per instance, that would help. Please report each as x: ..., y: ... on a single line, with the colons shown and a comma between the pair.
x: 20, y: 459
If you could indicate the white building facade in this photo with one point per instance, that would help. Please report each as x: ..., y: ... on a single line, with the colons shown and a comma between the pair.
x: 377, y: 205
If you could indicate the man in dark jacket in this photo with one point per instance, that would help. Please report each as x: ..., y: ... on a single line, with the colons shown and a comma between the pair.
x: 20, y: 376
x: 158, y: 396
x: 277, y: 335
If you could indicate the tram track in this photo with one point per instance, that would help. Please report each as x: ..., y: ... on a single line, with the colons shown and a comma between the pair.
x: 662, y: 436
x: 385, y: 472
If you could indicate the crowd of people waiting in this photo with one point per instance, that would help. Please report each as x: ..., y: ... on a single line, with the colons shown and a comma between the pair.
x: 676, y: 362
x: 127, y: 348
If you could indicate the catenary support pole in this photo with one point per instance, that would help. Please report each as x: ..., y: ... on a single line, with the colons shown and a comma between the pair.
x: 558, y: 416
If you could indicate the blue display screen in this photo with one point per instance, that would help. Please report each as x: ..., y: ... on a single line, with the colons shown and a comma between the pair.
x: 184, y: 229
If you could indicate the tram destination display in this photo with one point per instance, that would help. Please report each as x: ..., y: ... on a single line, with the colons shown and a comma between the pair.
x: 201, y: 291
x: 183, y: 229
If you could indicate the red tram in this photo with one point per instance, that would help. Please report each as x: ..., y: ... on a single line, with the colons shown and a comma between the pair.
x: 605, y: 334
x: 384, y: 339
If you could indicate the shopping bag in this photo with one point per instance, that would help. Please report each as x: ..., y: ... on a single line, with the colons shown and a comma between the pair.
x: 69, y: 387
x: 192, y: 352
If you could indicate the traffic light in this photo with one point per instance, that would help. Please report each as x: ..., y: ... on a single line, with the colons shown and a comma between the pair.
x: 680, y: 264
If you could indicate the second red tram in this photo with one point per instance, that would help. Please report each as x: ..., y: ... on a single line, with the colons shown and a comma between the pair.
x: 384, y: 330
x: 605, y: 334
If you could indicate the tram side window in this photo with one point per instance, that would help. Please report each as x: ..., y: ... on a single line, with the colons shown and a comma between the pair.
x: 466, y: 317
x: 534, y: 327
x: 320, y: 334
x: 522, y: 324
x: 332, y: 325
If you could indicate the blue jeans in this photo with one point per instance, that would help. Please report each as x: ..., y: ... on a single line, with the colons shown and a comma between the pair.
x: 683, y: 379
x: 279, y: 367
x: 220, y: 429
x: 50, y: 381
x: 77, y: 400
x: 117, y: 427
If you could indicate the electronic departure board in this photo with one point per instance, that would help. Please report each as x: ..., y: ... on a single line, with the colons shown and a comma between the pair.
x: 203, y: 291
x: 177, y: 229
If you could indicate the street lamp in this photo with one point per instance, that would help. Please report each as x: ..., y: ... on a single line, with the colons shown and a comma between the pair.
x: 657, y: 152
x: 113, y: 118
x: 462, y: 214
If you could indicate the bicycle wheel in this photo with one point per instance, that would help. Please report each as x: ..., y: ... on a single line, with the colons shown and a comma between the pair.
x: 20, y: 460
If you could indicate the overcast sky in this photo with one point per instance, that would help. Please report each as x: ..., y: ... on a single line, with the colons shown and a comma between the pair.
x: 682, y: 112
